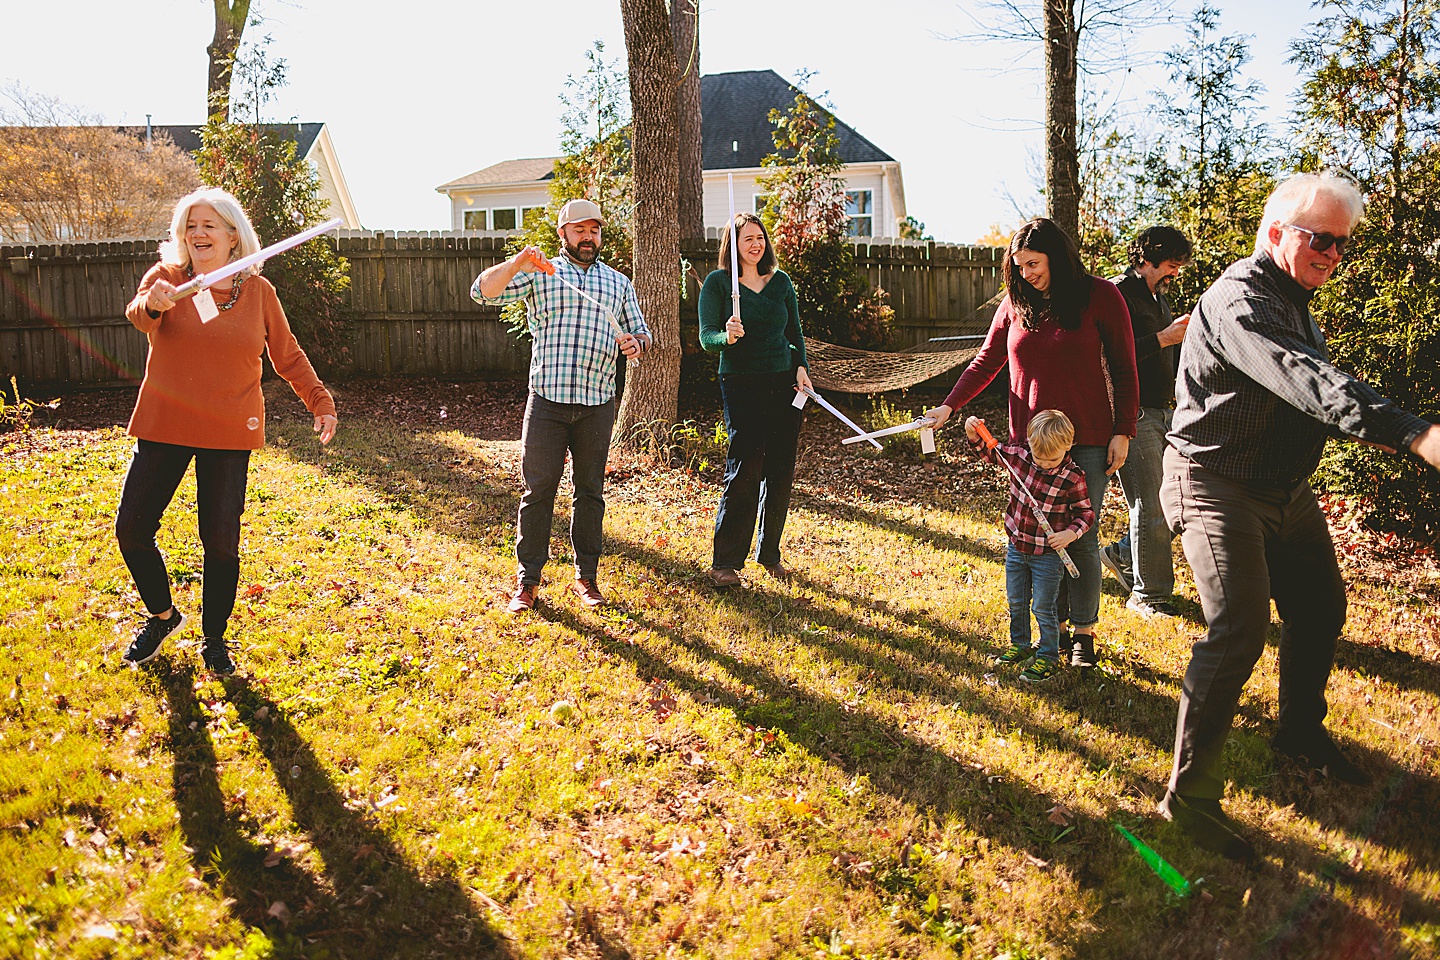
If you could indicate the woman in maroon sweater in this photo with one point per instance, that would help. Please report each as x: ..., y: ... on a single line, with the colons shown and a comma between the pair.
x: 1058, y: 329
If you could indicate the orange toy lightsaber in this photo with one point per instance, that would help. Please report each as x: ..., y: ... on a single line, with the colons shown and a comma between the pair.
x: 992, y: 444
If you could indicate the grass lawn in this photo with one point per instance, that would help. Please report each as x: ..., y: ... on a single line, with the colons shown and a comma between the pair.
x: 826, y: 766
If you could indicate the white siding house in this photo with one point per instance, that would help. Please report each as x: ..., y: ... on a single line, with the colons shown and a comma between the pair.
x: 735, y: 130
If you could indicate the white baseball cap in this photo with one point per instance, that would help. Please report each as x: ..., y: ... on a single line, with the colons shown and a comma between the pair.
x: 575, y: 211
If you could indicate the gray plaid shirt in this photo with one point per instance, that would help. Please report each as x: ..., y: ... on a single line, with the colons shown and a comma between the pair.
x: 1256, y: 394
x: 572, y: 359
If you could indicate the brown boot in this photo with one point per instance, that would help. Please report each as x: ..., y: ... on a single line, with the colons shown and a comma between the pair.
x: 524, y: 597
x: 723, y: 578
x: 588, y: 592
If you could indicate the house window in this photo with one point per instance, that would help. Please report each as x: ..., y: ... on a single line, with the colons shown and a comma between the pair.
x: 760, y: 200
x: 475, y: 220
x: 530, y: 216
x: 862, y: 215
x: 504, y: 219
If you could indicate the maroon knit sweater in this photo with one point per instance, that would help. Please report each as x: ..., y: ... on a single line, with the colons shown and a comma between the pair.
x: 1057, y: 369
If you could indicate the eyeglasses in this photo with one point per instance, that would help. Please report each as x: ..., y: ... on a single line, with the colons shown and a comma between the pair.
x: 1320, y: 242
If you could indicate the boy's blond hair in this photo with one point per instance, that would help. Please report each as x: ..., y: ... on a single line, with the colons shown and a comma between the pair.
x: 1051, y: 434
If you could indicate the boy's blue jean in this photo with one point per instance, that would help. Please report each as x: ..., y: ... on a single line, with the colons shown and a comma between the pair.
x: 1032, y: 581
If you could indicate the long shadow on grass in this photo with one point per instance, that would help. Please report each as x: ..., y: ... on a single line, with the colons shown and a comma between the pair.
x: 1396, y: 666
x: 961, y: 658
x: 860, y: 744
x: 920, y: 533
x: 368, y: 902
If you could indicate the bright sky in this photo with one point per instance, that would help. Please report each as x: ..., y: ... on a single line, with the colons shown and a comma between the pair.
x: 421, y: 92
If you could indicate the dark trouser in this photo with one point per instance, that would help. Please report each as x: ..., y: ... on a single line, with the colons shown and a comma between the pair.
x: 550, y: 430
x: 1144, y: 550
x: 1079, y: 600
x: 764, y: 429
x: 155, y: 473
x: 1246, y: 544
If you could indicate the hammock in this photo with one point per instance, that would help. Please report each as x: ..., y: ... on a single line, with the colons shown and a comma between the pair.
x: 848, y: 370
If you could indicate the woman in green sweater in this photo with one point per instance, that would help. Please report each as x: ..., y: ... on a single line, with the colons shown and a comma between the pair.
x: 762, y: 364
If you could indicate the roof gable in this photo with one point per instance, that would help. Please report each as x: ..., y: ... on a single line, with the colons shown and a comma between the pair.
x: 187, y: 137
x: 508, y: 171
x: 735, y: 121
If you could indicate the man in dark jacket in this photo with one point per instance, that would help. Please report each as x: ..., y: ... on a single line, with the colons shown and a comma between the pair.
x: 1141, y: 558
x: 1257, y: 397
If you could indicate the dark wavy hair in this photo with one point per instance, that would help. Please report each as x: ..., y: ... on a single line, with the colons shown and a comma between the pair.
x: 1155, y: 245
x: 1069, y: 292
x: 767, y: 259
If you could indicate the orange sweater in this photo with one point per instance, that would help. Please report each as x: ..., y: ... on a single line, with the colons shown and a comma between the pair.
x: 202, y: 381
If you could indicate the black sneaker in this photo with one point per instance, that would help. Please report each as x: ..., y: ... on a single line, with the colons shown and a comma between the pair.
x: 217, y: 658
x: 1204, y: 822
x: 1321, y: 753
x: 1082, y: 654
x: 1110, y: 557
x: 146, y: 645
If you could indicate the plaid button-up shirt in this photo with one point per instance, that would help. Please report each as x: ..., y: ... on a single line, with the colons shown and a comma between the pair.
x: 572, y: 359
x: 1061, y: 493
x: 1257, y: 396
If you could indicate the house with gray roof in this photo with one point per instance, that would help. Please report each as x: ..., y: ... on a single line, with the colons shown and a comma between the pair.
x: 735, y: 134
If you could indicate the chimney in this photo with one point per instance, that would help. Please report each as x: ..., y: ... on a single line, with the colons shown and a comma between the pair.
x: 149, y: 133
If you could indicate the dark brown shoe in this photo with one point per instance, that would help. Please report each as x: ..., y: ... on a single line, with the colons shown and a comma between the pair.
x: 588, y: 593
x: 1207, y: 825
x: 776, y: 570
x: 724, y: 579
x: 524, y: 598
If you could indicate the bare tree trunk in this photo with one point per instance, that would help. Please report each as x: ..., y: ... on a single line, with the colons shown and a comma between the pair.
x: 685, y: 28
x: 653, y: 393
x: 230, y: 18
x: 1062, y: 158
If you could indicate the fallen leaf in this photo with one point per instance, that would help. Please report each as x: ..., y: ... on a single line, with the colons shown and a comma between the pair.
x: 364, y: 850
x: 1059, y: 816
x: 279, y: 911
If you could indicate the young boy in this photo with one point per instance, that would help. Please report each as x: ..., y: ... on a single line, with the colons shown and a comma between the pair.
x: 1032, y: 567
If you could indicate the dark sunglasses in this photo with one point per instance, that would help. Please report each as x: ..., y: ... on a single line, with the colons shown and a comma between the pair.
x: 1320, y: 242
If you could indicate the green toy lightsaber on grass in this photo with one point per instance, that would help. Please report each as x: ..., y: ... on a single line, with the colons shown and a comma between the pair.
x: 1163, y: 870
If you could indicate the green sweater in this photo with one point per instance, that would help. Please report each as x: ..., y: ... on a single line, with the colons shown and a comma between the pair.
x: 773, y: 342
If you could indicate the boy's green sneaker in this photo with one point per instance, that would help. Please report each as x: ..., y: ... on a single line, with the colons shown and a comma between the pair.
x: 1041, y: 670
x: 1016, y: 654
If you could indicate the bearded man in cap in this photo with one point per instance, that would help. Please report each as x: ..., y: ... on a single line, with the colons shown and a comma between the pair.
x: 571, y: 406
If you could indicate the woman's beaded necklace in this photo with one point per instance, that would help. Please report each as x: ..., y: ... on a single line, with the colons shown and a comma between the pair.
x: 234, y: 289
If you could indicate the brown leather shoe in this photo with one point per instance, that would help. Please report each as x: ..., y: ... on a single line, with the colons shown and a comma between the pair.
x: 724, y: 579
x: 588, y: 593
x: 776, y: 570
x: 523, y: 598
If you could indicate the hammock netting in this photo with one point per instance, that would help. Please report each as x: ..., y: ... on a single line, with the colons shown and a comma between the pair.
x: 848, y: 370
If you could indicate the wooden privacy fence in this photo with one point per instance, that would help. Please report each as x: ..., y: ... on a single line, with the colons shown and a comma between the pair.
x: 62, y: 306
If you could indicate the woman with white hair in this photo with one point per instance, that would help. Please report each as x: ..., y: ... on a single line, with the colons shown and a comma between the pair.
x: 201, y: 400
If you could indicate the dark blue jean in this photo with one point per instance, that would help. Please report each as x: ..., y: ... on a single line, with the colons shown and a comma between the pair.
x: 549, y: 432
x: 764, y: 429
x: 1032, y: 582
x: 1080, y: 599
x: 150, y: 484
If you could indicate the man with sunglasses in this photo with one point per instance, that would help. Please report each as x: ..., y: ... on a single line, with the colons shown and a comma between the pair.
x: 1256, y: 399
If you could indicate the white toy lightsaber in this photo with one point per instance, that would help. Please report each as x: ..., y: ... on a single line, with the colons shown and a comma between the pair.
x: 926, y: 426
x: 988, y: 439
x: 204, y: 281
x: 803, y: 392
x: 734, y: 252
